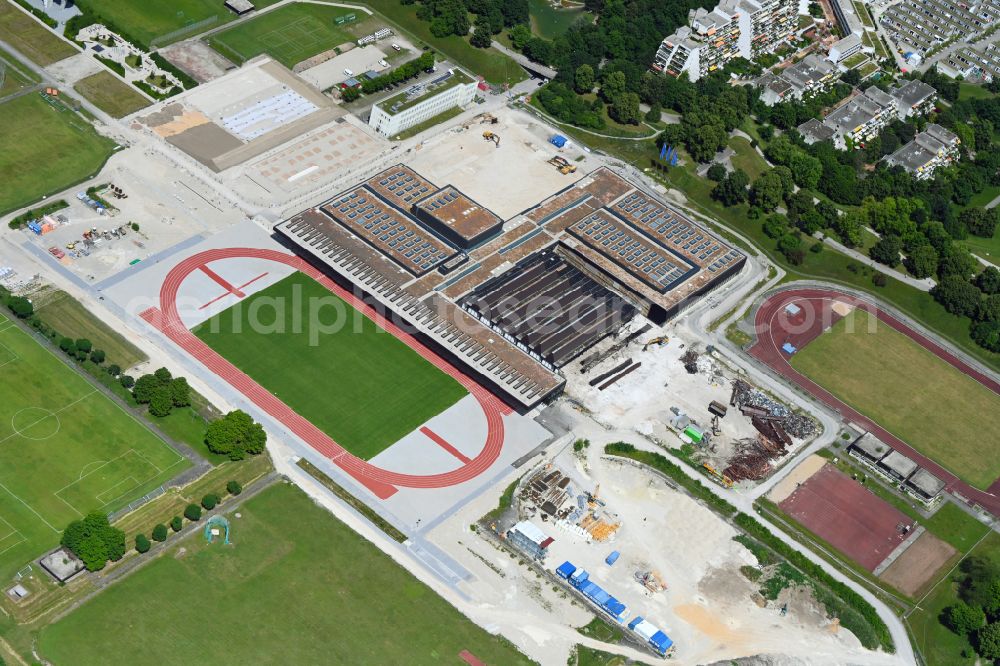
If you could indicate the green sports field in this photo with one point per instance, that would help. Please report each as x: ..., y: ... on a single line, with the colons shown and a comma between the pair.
x: 296, y: 587
x: 148, y: 19
x: 65, y: 449
x: 924, y: 401
x: 46, y: 148
x: 289, y: 34
x: 360, y: 385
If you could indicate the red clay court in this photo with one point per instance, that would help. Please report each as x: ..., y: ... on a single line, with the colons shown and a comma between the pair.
x: 847, y: 515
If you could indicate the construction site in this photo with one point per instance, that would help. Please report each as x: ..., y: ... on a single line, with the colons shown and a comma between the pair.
x: 681, y: 396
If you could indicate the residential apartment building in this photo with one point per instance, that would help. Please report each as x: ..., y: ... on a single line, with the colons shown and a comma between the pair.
x: 930, y: 149
x: 422, y: 102
x: 810, y: 75
x: 981, y: 64
x: 734, y: 28
x: 918, y: 26
x: 863, y: 117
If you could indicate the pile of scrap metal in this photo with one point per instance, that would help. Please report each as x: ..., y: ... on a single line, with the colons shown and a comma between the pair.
x: 549, y: 491
x: 754, y: 403
x: 753, y: 460
x: 690, y: 361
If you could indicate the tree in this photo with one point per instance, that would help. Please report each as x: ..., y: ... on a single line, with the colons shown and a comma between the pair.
x: 128, y: 381
x: 613, y: 86
x: 160, y: 404
x: 160, y: 532
x: 989, y: 280
x: 192, y: 512
x: 989, y: 308
x: 886, y: 250
x: 180, y: 392
x: 94, y: 540
x: 716, y: 172
x: 234, y: 487
x: 963, y: 619
x: 986, y: 334
x: 114, y: 370
x: 235, y: 435
x: 922, y: 261
x: 768, y: 191
x: 67, y: 345
x: 210, y: 501
x: 145, y: 388
x: 20, y: 306
x: 482, y: 37
x: 349, y: 94
x: 957, y: 295
x: 732, y: 189
x: 988, y: 641
x: 979, y: 221
x: 957, y: 261
x: 806, y: 169
x: 521, y: 34
x: 625, y: 109
x: 176, y: 523
x: 653, y: 115
x: 97, y: 356
x: 84, y: 345
x: 142, y: 544
x: 583, y: 79
x: 163, y: 375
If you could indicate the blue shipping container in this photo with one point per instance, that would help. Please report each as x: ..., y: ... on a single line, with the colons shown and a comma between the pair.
x: 612, y: 558
x: 565, y: 570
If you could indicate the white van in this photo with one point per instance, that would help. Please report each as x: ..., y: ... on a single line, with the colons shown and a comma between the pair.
x: 396, y: 47
x: 348, y: 72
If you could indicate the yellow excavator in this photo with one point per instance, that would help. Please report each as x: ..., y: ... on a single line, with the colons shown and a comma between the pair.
x: 492, y: 136
x: 660, y: 341
x: 562, y: 164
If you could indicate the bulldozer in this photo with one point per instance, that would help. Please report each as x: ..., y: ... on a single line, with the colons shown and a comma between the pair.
x: 492, y: 136
x: 659, y: 342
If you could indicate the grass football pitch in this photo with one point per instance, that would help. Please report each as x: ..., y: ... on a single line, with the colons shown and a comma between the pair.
x: 46, y: 148
x: 289, y: 34
x: 320, y: 594
x: 65, y: 449
x: 923, y: 400
x: 360, y: 385
x: 32, y: 40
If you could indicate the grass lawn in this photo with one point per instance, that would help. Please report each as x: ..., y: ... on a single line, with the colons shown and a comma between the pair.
x: 588, y: 656
x: 24, y: 33
x: 61, y: 147
x: 987, y: 248
x: 956, y: 527
x: 746, y: 158
x: 321, y: 594
x: 149, y: 19
x: 444, y: 116
x: 938, y: 644
x: 360, y: 385
x: 907, y: 389
x: 489, y: 63
x: 18, y: 74
x: 68, y: 316
x: 973, y: 91
x: 110, y: 94
x: 54, y: 467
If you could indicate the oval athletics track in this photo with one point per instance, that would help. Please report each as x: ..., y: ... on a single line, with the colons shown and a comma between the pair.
x: 380, y: 481
x: 774, y: 327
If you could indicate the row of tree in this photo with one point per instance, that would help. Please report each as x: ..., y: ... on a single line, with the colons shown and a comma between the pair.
x: 977, y: 615
x: 193, y: 513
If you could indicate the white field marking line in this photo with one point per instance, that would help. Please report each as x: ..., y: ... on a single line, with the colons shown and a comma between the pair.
x: 30, y: 508
x: 13, y: 354
x: 137, y: 485
x: 58, y: 411
x: 13, y: 530
x: 14, y: 545
x: 94, y: 471
x: 93, y: 462
x: 75, y: 510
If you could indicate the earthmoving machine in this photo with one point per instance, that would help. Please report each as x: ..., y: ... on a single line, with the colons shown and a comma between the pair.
x: 718, y: 476
x: 488, y: 118
x: 562, y: 164
x: 492, y: 136
x: 659, y: 342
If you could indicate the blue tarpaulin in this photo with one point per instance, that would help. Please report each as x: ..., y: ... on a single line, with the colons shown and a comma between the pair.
x: 788, y: 348
x: 558, y: 140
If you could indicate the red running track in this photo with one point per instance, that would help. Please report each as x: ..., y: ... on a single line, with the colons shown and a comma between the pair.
x: 383, y: 483
x: 774, y: 327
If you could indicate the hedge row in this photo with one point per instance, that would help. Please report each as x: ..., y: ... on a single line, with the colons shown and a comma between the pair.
x: 864, y: 622
x: 168, y: 66
x: 116, y: 67
x: 36, y: 213
x: 42, y: 16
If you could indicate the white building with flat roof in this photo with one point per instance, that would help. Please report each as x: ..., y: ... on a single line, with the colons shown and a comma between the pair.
x: 422, y: 102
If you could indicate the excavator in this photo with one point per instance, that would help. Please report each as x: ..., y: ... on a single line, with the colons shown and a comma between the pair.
x: 488, y: 118
x: 660, y: 341
x: 491, y: 136
x: 562, y: 164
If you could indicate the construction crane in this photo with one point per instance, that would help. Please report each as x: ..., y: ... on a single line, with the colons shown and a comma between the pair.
x: 491, y: 136
x: 659, y: 342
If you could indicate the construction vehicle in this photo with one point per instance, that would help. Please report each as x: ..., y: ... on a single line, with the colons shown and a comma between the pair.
x: 488, y: 118
x: 562, y: 164
x: 718, y: 476
x: 650, y: 580
x: 659, y: 342
x: 594, y: 497
x: 71, y: 245
x: 491, y: 136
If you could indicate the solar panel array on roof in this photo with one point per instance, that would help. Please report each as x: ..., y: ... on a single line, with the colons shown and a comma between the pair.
x: 389, y: 230
x: 653, y: 265
x: 403, y: 184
